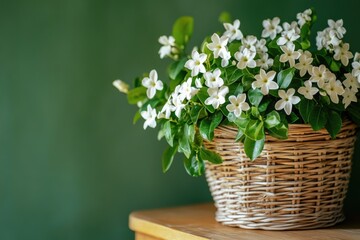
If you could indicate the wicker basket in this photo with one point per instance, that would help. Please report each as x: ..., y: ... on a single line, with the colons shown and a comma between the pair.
x: 298, y: 183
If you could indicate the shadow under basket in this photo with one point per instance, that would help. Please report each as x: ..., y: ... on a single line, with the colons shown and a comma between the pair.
x: 297, y: 183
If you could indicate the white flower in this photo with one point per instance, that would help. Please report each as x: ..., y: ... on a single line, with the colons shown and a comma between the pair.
x: 121, y: 86
x: 196, y: 64
x: 225, y: 59
x: 265, y: 81
x: 238, y: 104
x: 245, y: 58
x: 304, y: 17
x: 232, y: 31
x: 217, y: 96
x: 304, y: 64
x: 320, y: 75
x: 308, y: 91
x: 213, y: 79
x: 287, y: 100
x: 261, y: 46
x: 348, y: 97
x: 166, y: 110
x: 249, y: 42
x: 152, y: 84
x: 356, y: 70
x: 342, y: 53
x: 198, y: 83
x: 289, y: 55
x: 337, y: 27
x: 168, y: 43
x: 150, y: 117
x: 218, y: 45
x: 264, y: 61
x: 289, y: 34
x: 357, y: 57
x: 351, y: 82
x: 186, y: 91
x: 334, y: 88
x: 271, y: 28
x: 178, y: 105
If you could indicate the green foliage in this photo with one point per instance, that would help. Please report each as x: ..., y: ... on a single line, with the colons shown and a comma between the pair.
x: 194, y: 165
x: 253, y: 148
x: 210, y: 156
x: 168, y: 157
x: 284, y: 77
x: 136, y: 95
x: 182, y: 30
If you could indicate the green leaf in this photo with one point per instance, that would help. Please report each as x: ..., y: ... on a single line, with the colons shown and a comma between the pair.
x: 195, y: 113
x: 168, y: 157
x: 225, y: 17
x: 255, y: 130
x: 306, y: 107
x: 253, y: 148
x: 240, y: 135
x: 305, y: 44
x: 184, y: 141
x: 255, y: 96
x: 264, y: 104
x: 233, y: 76
x: 234, y: 47
x: 204, y: 129
x: 136, y: 95
x: 335, y: 66
x: 292, y: 118
x: 272, y: 119
x: 255, y: 112
x: 183, y: 29
x: 334, y: 124
x: 318, y: 118
x: 305, y: 31
x: 203, y: 95
x: 168, y: 132
x: 176, y: 67
x: 210, y: 156
x: 285, y: 77
x: 280, y: 131
x: 247, y: 81
x: 215, y: 121
x: 137, y: 116
x: 194, y: 166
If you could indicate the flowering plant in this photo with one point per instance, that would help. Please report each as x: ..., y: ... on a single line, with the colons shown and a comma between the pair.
x: 258, y: 85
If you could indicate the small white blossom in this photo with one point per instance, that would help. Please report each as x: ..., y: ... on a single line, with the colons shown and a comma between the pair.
x: 218, y: 45
x: 304, y: 17
x: 348, y: 97
x: 351, y: 82
x: 150, y: 117
x: 166, y: 110
x: 304, y: 64
x: 261, y: 46
x: 287, y: 100
x: 196, y: 64
x: 289, y: 55
x: 265, y: 81
x: 264, y: 61
x: 271, y: 28
x: 342, y: 53
x: 356, y: 70
x: 152, y: 84
x: 213, y: 79
x: 249, y: 42
x: 168, y: 44
x: 337, y: 27
x: 289, y: 34
x: 357, y: 57
x: 246, y: 59
x: 216, y: 96
x: 225, y: 59
x: 334, y: 88
x: 238, y: 104
x: 179, y: 106
x: 186, y: 90
x: 121, y: 86
x: 320, y: 75
x: 308, y: 91
x: 232, y: 31
x: 198, y: 83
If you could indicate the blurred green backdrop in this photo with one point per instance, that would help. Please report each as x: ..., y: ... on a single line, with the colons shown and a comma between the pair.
x: 72, y: 165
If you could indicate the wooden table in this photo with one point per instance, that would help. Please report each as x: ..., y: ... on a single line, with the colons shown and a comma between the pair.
x: 196, y: 222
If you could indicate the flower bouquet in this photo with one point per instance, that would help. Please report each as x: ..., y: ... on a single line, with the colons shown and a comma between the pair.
x: 241, y: 98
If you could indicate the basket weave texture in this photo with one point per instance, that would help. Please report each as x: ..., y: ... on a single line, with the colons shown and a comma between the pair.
x: 297, y: 183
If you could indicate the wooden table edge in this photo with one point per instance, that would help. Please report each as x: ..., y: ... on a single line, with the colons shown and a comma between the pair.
x: 149, y: 228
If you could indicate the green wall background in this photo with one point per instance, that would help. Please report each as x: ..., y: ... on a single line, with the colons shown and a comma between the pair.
x: 72, y: 165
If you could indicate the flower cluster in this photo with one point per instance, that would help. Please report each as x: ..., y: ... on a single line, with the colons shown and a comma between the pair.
x: 259, y: 85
